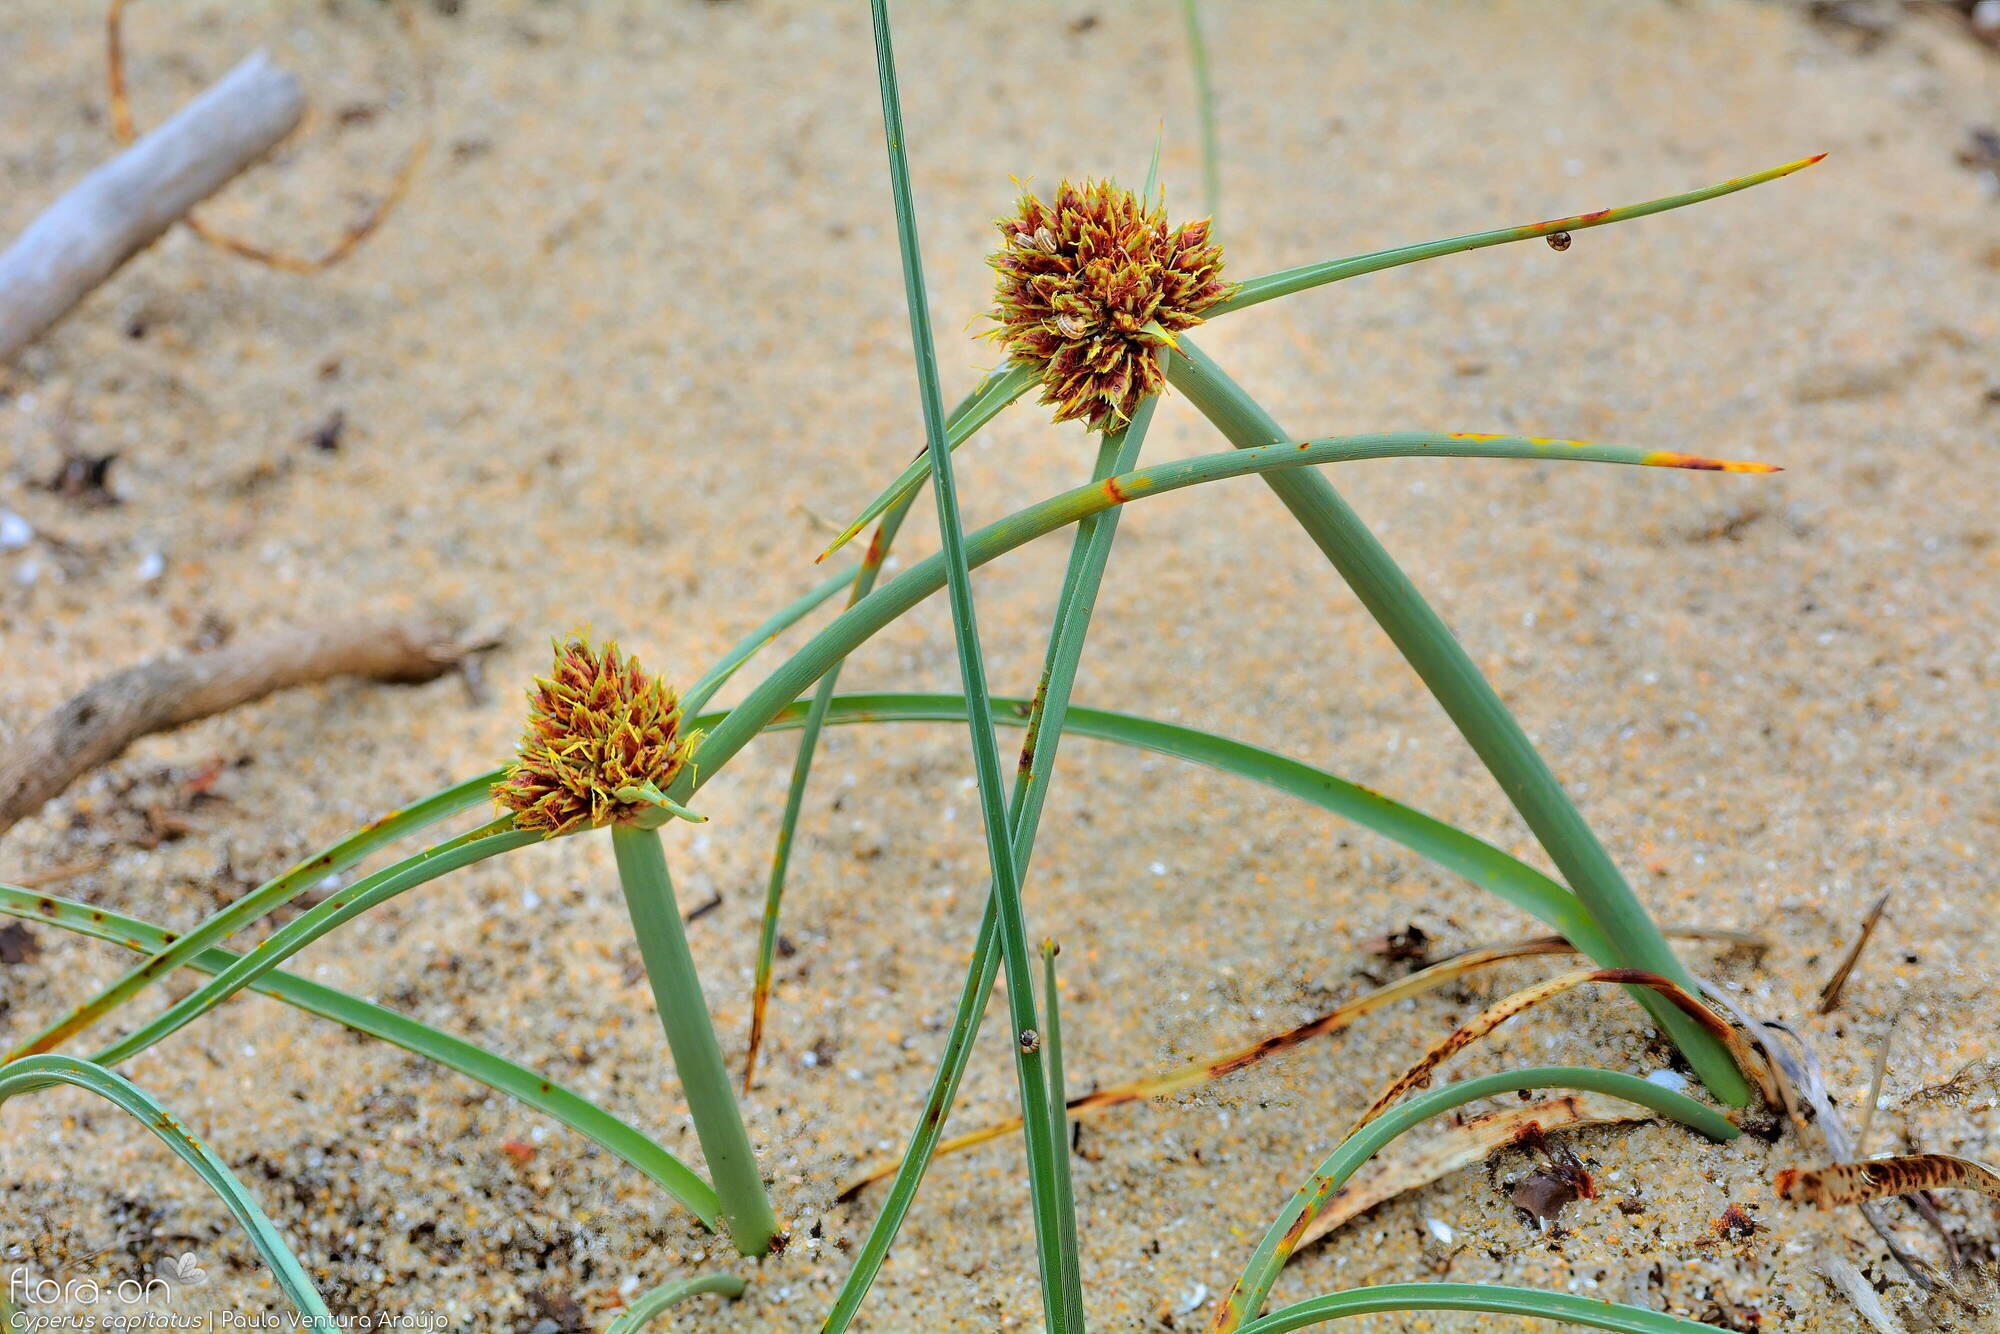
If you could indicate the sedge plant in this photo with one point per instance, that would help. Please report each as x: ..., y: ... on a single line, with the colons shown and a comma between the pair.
x: 1092, y: 294
x: 1097, y: 296
x: 603, y: 739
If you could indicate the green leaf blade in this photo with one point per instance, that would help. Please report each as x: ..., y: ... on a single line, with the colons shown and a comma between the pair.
x: 1276, y: 1247
x: 1271, y: 286
x: 46, y: 1070
x: 1487, y: 1298
x: 496, y: 1072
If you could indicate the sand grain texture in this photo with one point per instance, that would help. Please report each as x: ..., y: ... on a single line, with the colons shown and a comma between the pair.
x: 637, y: 336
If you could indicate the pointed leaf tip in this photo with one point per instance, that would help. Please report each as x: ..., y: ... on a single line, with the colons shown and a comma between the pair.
x: 845, y: 537
x: 1667, y: 458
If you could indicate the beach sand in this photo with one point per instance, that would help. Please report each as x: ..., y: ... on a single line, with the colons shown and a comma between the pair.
x: 636, y: 343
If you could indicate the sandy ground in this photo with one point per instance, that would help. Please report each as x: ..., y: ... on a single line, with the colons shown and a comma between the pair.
x: 637, y: 338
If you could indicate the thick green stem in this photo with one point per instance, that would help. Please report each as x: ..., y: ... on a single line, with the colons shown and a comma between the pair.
x: 718, y: 1122
x: 1473, y: 705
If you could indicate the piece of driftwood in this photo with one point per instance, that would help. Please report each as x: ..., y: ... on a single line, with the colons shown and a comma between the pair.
x: 96, y: 726
x: 123, y: 206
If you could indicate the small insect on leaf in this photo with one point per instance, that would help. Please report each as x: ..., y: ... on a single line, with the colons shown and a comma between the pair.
x: 1558, y: 240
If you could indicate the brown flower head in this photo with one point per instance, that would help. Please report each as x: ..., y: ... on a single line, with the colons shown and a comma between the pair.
x: 600, y: 731
x: 1090, y: 290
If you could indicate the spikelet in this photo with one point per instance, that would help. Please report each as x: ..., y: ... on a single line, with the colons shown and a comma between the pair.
x: 1090, y: 289
x: 598, y: 725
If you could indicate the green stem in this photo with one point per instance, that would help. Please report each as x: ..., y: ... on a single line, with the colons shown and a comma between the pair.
x: 979, y: 407
x: 1474, y: 707
x: 945, y: 1080
x: 890, y: 600
x: 972, y: 671
x: 795, y: 794
x: 1250, y: 1290
x: 746, y: 648
x: 718, y: 1122
x: 1089, y: 552
x: 1270, y: 286
x: 1076, y: 604
x: 1486, y: 866
x: 972, y: 412
x: 1072, y: 1274
x: 316, y: 921
x: 1204, y: 91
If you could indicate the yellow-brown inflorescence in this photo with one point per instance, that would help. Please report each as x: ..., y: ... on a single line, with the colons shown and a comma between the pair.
x: 597, y: 726
x: 1090, y: 290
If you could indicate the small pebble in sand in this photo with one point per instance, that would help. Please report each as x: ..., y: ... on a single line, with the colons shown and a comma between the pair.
x: 14, y: 531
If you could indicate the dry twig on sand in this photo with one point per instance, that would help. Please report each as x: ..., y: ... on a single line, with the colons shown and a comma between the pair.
x: 125, y: 129
x: 95, y: 726
x: 123, y: 206
x: 1829, y: 995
